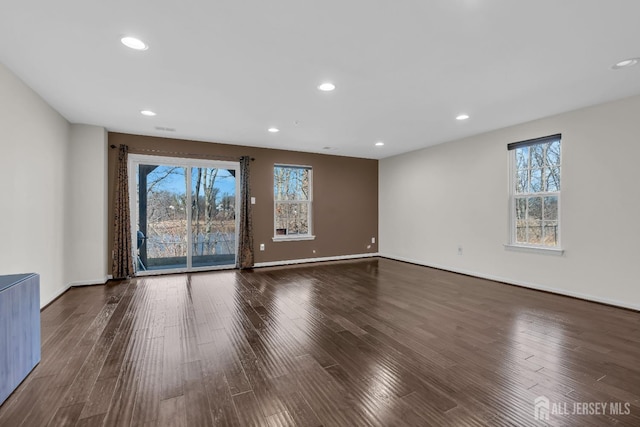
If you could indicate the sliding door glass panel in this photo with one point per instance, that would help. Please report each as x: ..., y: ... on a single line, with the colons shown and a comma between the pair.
x: 162, y: 217
x: 213, y: 217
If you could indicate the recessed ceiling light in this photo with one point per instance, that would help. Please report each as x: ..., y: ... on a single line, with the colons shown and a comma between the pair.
x: 626, y: 63
x: 147, y: 113
x: 379, y: 144
x: 273, y: 130
x: 462, y: 117
x: 134, y: 43
x: 327, y: 87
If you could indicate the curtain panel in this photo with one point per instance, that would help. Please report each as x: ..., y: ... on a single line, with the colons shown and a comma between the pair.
x: 122, y: 266
x: 245, y: 244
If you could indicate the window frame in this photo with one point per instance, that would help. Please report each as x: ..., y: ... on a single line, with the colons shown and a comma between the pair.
x: 294, y: 237
x: 514, y: 195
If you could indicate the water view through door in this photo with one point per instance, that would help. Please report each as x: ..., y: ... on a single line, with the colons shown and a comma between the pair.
x: 213, y: 217
x: 185, y: 215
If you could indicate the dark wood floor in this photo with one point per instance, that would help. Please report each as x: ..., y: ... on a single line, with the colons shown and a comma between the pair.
x: 369, y: 342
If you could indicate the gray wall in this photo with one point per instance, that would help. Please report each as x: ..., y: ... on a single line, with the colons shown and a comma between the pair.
x: 52, y: 185
x: 456, y: 193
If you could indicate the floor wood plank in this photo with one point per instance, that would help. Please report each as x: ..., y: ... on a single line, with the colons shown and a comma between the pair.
x: 370, y: 342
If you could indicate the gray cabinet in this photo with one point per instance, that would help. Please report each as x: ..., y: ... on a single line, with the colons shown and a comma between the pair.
x: 19, y: 329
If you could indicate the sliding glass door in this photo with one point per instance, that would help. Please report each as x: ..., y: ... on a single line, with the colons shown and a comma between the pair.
x: 183, y: 214
x: 213, y: 216
x: 161, y: 234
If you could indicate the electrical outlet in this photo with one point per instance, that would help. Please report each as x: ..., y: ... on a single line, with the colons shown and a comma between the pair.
x: 459, y: 249
x: 373, y: 240
x: 262, y: 246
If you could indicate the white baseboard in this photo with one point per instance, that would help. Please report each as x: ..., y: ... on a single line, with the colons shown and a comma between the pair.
x: 537, y: 287
x: 71, y: 285
x: 89, y: 282
x: 308, y: 260
x: 53, y: 298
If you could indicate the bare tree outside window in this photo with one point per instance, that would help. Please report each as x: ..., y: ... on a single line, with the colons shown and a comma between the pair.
x: 536, y: 192
x: 292, y: 197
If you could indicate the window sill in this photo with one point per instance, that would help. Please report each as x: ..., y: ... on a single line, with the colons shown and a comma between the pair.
x: 293, y: 238
x: 534, y: 249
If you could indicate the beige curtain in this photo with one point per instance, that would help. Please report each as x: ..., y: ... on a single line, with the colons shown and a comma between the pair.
x: 122, y: 266
x: 245, y: 245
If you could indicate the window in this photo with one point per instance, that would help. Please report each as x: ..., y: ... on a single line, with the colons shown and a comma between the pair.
x: 535, y: 192
x: 292, y: 195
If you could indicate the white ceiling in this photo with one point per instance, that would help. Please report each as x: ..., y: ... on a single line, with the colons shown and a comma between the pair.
x: 226, y: 70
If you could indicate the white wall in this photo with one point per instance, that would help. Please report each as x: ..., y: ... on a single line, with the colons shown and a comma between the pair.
x: 456, y: 193
x: 53, y: 192
x: 86, y: 237
x: 34, y: 140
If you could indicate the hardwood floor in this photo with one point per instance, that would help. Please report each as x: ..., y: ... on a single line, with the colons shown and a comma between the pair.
x: 358, y: 343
